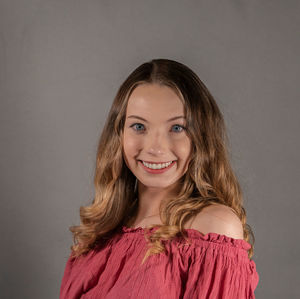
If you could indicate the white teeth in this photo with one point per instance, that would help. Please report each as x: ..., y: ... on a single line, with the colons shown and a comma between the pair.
x: 157, y: 166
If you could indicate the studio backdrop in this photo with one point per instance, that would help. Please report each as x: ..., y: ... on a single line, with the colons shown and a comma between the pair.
x: 61, y: 63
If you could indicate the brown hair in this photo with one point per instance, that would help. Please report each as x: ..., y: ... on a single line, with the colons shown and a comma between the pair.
x: 209, y: 179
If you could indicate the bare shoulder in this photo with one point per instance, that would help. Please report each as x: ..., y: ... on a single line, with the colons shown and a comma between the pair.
x: 218, y: 219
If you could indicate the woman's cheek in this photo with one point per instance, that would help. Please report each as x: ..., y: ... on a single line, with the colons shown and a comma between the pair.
x: 183, y: 148
x: 133, y: 145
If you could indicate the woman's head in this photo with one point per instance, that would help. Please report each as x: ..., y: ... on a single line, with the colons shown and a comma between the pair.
x: 155, y: 133
x: 157, y: 91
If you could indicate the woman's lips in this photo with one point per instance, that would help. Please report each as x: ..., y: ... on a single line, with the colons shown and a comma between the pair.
x: 151, y: 162
x: 156, y: 171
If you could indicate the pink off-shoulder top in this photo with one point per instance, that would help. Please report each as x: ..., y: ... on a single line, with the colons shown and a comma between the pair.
x: 212, y: 266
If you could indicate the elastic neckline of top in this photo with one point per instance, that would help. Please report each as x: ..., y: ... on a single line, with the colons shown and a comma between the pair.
x: 195, y: 234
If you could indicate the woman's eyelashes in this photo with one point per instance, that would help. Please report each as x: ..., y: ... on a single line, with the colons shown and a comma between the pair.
x: 135, y: 127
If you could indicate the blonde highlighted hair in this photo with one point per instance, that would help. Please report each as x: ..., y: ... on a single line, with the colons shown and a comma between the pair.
x: 209, y: 179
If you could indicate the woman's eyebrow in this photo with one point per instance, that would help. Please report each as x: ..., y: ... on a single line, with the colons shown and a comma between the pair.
x: 138, y: 117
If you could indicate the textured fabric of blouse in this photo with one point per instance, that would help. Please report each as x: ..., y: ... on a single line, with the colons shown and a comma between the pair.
x: 212, y: 266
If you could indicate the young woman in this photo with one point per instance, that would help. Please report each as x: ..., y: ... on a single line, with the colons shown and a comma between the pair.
x: 167, y: 219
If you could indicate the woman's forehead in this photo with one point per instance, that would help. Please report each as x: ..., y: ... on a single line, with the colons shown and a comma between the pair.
x: 154, y: 98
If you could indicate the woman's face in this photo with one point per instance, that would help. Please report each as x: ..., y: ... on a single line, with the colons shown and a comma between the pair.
x: 150, y: 135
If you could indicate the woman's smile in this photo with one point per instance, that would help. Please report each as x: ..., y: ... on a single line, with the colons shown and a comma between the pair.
x: 157, y: 168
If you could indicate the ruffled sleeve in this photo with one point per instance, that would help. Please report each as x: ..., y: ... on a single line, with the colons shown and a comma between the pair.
x: 219, y: 268
x: 77, y: 278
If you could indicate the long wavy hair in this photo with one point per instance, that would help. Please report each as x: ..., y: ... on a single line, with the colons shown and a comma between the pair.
x: 209, y: 179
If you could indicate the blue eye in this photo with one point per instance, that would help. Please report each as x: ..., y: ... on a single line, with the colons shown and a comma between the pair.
x: 182, y: 127
x: 138, y: 124
x: 135, y: 125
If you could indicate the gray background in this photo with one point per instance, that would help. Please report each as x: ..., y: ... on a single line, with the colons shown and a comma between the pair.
x: 61, y: 63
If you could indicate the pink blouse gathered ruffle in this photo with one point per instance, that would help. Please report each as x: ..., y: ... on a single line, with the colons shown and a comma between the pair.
x: 213, y: 266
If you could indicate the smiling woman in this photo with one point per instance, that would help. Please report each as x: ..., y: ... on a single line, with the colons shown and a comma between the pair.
x: 167, y: 219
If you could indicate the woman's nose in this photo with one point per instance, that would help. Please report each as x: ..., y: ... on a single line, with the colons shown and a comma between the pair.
x: 156, y: 144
